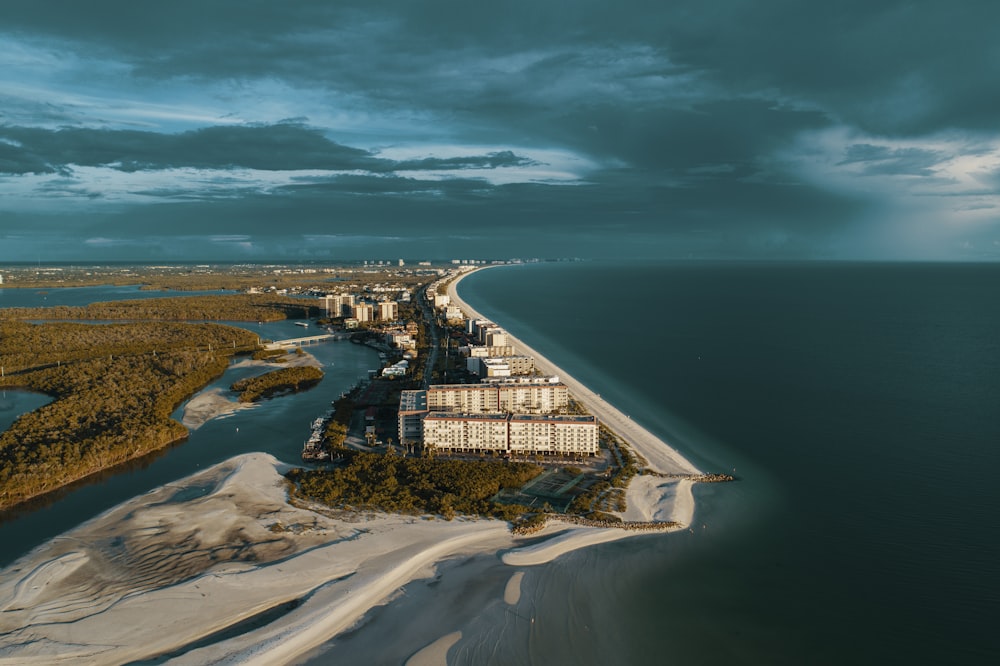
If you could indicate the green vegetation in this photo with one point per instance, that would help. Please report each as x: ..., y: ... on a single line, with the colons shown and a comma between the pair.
x: 231, y: 307
x: 416, y: 485
x: 294, y: 379
x: 268, y: 355
x: 114, y: 388
x: 336, y: 428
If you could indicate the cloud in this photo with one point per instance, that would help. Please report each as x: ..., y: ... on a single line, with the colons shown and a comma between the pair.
x: 771, y: 126
x: 883, y: 160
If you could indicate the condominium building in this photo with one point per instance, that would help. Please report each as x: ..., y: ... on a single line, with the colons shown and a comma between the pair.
x: 522, y: 379
x: 467, y: 398
x: 412, y: 409
x: 364, y: 312
x: 470, y: 433
x: 538, y: 398
x: 560, y: 435
x: 482, y: 351
x: 343, y: 305
x: 503, y: 366
x: 532, y: 398
x: 388, y: 310
x: 518, y: 433
x: 496, y: 337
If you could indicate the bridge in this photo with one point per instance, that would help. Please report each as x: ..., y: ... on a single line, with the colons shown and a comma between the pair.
x: 299, y: 342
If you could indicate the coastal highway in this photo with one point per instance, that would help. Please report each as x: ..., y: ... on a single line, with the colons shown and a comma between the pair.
x: 658, y: 454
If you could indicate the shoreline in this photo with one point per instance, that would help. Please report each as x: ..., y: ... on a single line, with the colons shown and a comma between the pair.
x: 659, y: 455
x: 198, y: 556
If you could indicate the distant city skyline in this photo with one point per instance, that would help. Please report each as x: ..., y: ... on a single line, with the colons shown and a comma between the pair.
x: 252, y: 130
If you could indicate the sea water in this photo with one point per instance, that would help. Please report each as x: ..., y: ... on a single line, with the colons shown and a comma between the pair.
x: 859, y: 405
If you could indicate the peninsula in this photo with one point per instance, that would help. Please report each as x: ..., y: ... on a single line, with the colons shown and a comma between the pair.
x: 237, y: 546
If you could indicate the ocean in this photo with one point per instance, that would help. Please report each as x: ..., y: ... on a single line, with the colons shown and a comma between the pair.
x: 856, y: 403
x: 859, y: 405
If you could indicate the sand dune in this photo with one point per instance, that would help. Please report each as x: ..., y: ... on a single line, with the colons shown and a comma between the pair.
x: 165, y: 575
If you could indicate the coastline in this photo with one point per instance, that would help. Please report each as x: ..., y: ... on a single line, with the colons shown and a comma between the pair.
x: 659, y: 455
x: 196, y: 558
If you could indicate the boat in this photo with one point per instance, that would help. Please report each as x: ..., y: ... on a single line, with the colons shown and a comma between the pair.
x: 313, y: 449
x: 302, y: 324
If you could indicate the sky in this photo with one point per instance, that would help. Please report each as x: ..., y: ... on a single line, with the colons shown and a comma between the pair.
x: 245, y: 130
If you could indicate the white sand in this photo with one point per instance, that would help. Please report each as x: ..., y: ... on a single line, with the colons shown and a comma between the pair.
x: 659, y: 456
x: 210, y: 404
x: 435, y: 654
x: 213, y: 403
x: 512, y: 591
x: 192, y: 558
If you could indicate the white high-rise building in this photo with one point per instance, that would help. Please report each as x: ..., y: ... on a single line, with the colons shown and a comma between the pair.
x: 518, y: 433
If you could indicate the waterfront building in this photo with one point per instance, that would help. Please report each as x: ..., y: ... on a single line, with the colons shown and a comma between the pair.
x: 520, y: 434
x: 553, y: 435
x: 343, y: 305
x: 364, y: 312
x: 388, y: 310
x: 496, y: 337
x: 467, y: 433
x: 522, y: 379
x: 441, y: 301
x: 482, y: 351
x: 503, y: 366
x: 412, y: 409
x: 467, y: 398
x: 398, y: 369
x: 537, y: 398
x: 531, y: 398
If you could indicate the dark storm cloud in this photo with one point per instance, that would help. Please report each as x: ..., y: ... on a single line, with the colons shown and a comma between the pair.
x: 276, y: 147
x: 280, y: 147
x: 750, y: 123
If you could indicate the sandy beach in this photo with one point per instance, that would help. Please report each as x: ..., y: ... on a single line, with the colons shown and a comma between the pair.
x: 658, y: 454
x: 176, y: 574
x: 214, y: 403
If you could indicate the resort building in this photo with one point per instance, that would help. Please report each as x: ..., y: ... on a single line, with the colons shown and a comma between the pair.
x: 471, y: 433
x: 520, y: 434
x: 522, y: 379
x: 495, y: 337
x: 466, y: 398
x: 504, y: 366
x: 482, y: 351
x: 535, y: 398
x: 558, y: 435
